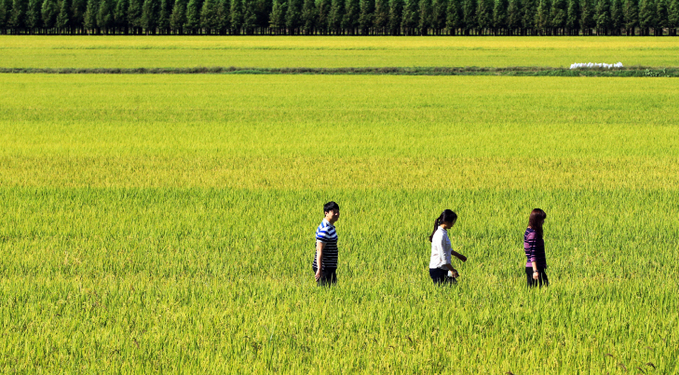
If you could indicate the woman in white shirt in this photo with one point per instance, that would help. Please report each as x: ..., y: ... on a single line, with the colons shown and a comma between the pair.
x: 441, y: 251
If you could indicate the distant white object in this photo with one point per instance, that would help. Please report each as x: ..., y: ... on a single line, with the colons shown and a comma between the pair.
x: 596, y: 65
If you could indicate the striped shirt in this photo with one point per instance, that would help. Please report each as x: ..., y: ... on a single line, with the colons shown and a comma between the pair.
x: 440, y: 249
x: 326, y: 234
x: 534, y: 248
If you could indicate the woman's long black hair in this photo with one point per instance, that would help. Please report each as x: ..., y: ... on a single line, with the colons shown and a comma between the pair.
x: 537, y: 216
x: 447, y: 216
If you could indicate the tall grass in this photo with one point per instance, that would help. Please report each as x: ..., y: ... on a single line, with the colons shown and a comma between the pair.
x: 164, y: 223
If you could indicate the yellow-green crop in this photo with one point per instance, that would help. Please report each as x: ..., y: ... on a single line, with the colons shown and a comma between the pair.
x: 330, y: 52
x: 165, y: 223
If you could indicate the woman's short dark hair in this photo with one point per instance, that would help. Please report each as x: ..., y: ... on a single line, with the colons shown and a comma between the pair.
x: 330, y: 206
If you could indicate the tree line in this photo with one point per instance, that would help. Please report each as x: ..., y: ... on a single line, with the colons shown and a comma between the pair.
x: 341, y: 17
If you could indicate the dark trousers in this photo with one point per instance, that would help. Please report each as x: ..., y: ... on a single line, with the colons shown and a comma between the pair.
x: 440, y: 277
x: 542, y: 279
x: 328, y: 276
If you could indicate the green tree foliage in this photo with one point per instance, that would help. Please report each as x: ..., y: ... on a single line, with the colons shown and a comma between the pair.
x: 630, y: 13
x: 425, y: 20
x: 661, y: 17
x: 350, y: 19
x: 514, y: 14
x: 224, y: 16
x: 587, y: 21
x: 439, y: 15
x: 543, y: 17
x: 78, y: 13
x: 193, y: 16
x: 366, y: 15
x: 50, y: 10
x: 34, y: 14
x: 500, y: 15
x: 409, y: 20
x: 646, y: 16
x: 90, y: 17
x: 208, y: 16
x: 249, y: 16
x: 104, y: 16
x: 336, y: 16
x: 673, y: 16
x: 381, y: 18
x: 63, y: 20
x: 616, y: 16
x: 309, y: 16
x: 602, y: 15
x: 559, y: 14
x: 178, y: 17
x: 395, y: 16
x: 469, y: 15
x: 322, y: 15
x: 454, y: 19
x: 134, y: 11
x: 149, y: 15
x: 572, y: 16
x: 120, y: 15
x: 164, y: 16
x: 484, y: 14
x: 277, y: 18
x: 293, y: 16
x: 3, y: 15
x: 17, y: 20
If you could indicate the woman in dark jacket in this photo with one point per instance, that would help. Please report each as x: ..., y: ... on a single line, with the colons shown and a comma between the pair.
x: 534, y: 246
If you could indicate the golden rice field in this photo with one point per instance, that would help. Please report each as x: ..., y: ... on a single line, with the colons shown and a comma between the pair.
x: 164, y: 223
x: 330, y: 52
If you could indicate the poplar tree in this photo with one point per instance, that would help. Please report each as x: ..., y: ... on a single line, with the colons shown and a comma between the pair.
x: 587, y: 17
x: 395, y: 16
x: 17, y: 20
x: 409, y: 19
x: 77, y: 14
x: 469, y: 15
x: 602, y: 15
x: 438, y: 19
x: 558, y: 15
x: 249, y: 16
x: 293, y: 17
x: 34, y: 15
x: 178, y: 17
x: 616, y: 16
x: 542, y: 15
x: 366, y: 15
x: 149, y: 15
x: 350, y: 19
x: 104, y: 16
x: 425, y: 19
x: 630, y: 15
x: 208, y: 16
x: 277, y: 17
x: 323, y: 18
x: 453, y: 16
x: 646, y: 16
x: 223, y: 16
x: 661, y: 17
x: 500, y: 16
x: 134, y: 15
x: 528, y: 17
x: 50, y: 10
x: 673, y: 17
x: 164, y: 16
x: 572, y: 18
x: 484, y: 15
x: 63, y: 21
x: 120, y: 15
x: 381, y: 17
x: 309, y: 16
x: 513, y: 16
x: 336, y: 16
x: 3, y: 16
x: 90, y: 17
x: 193, y: 16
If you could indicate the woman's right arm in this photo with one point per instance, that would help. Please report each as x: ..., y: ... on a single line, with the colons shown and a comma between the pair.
x: 319, y: 258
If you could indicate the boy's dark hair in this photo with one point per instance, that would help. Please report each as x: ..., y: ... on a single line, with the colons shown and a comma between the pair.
x: 330, y: 206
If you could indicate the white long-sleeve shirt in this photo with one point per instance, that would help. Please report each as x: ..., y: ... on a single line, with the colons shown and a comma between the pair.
x: 440, y: 249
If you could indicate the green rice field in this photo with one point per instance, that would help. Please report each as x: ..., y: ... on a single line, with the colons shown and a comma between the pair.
x: 330, y: 52
x: 164, y: 223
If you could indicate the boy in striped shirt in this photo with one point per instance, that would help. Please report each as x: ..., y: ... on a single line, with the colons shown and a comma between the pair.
x: 325, y: 259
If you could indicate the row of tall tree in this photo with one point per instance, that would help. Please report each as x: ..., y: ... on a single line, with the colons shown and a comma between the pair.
x: 341, y: 17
